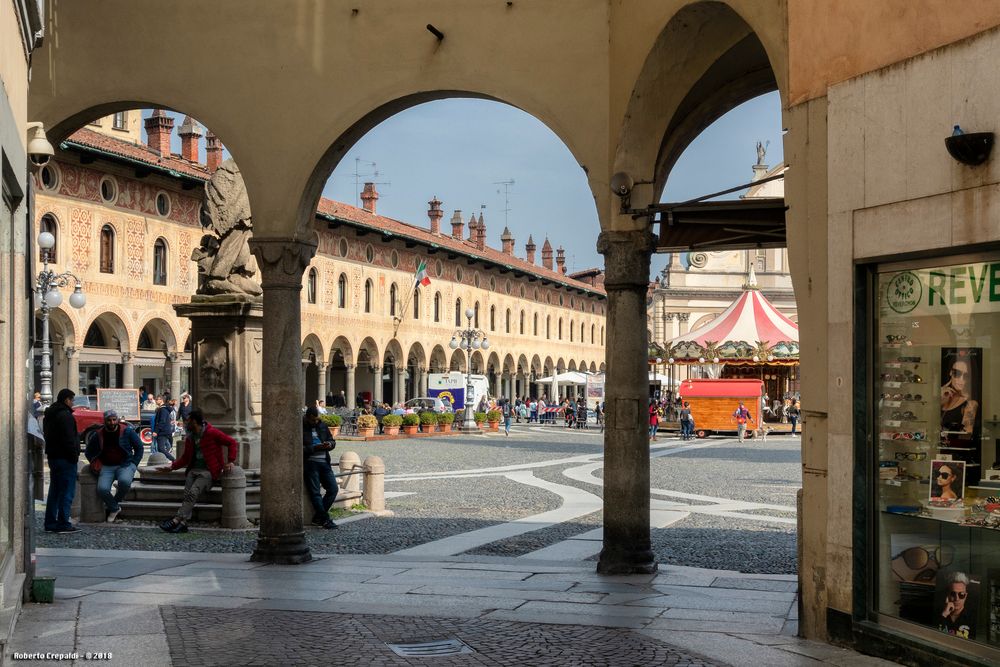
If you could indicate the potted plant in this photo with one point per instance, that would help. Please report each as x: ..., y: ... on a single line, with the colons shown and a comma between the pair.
x: 366, y: 425
x: 493, y: 418
x: 479, y: 418
x: 334, y: 422
x: 391, y: 423
x: 445, y: 420
x: 428, y: 422
x: 411, y: 423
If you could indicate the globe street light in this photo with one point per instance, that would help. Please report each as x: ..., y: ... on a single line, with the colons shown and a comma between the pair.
x: 47, y: 286
x: 469, y: 339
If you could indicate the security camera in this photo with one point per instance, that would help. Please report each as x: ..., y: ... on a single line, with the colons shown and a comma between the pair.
x: 621, y: 184
x: 39, y: 149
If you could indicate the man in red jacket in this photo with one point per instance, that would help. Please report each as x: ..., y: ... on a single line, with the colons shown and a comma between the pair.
x: 208, y: 452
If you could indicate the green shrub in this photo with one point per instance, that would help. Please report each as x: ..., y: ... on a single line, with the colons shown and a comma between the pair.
x: 480, y: 417
x: 367, y: 421
x: 494, y: 416
x: 460, y: 415
x: 445, y: 418
x: 331, y: 420
x: 392, y: 420
x: 411, y: 420
x: 428, y: 418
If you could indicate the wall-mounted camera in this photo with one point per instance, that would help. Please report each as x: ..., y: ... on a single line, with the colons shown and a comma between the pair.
x: 39, y: 148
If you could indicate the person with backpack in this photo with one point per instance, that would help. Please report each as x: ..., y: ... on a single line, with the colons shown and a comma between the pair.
x: 687, y: 421
x: 508, y: 412
x: 162, y: 430
x: 114, y: 453
x: 742, y: 416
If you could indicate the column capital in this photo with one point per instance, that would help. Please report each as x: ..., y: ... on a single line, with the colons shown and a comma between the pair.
x: 282, y: 261
x: 322, y: 365
x: 683, y: 317
x: 172, y: 357
x: 349, y: 367
x: 375, y: 368
x: 671, y: 316
x: 126, y: 357
x: 626, y: 258
x: 70, y: 351
x: 421, y: 369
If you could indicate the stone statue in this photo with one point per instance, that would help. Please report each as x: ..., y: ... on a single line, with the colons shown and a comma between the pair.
x: 225, y: 265
x: 761, y: 151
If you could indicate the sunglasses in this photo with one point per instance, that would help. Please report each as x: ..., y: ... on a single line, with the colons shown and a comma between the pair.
x: 915, y: 435
x: 911, y: 456
x: 914, y: 360
x: 961, y: 595
x: 907, y: 415
x: 955, y: 373
x: 897, y: 338
x: 945, y: 475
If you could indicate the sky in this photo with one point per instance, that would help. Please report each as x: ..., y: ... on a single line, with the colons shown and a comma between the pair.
x: 462, y: 151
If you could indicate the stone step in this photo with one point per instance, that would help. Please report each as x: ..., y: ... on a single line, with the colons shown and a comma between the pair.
x: 152, y: 510
x: 161, y: 492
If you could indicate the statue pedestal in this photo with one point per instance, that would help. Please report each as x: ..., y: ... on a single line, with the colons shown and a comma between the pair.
x: 226, y: 341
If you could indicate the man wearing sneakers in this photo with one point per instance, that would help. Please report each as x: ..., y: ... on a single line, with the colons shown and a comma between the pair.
x: 208, y: 452
x: 62, y: 448
x: 316, y: 445
x: 114, y: 453
x: 742, y: 415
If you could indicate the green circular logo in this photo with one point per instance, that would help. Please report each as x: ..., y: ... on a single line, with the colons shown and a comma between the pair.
x: 904, y: 291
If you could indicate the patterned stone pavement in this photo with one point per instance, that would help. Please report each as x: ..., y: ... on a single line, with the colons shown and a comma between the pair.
x: 206, y: 637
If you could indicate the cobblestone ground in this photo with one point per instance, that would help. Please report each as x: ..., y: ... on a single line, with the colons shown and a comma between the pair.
x: 202, y: 637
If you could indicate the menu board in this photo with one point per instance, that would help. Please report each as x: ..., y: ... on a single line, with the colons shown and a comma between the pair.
x: 123, y: 401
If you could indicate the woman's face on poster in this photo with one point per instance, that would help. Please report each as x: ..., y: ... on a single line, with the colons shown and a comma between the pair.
x: 945, y: 477
x: 960, y: 375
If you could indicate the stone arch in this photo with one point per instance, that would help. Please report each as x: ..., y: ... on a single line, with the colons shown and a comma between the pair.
x: 582, y: 366
x: 312, y: 348
x: 158, y: 326
x: 509, y: 366
x: 561, y: 365
x: 593, y: 367
x: 341, y: 346
x: 478, y: 366
x: 549, y: 367
x: 572, y: 365
x: 416, y: 366
x: 457, y: 361
x: 340, y: 363
x: 536, y: 365
x: 112, y: 324
x: 603, y: 367
x: 438, y: 361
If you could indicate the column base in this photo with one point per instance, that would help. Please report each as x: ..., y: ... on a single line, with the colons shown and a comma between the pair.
x: 623, y: 561
x: 288, y: 549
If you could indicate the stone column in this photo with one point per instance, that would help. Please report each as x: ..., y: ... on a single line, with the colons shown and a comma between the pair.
x: 128, y: 371
x: 322, y: 380
x: 281, y: 538
x: 424, y: 381
x: 350, y: 393
x: 399, y: 385
x: 377, y: 384
x: 627, y: 548
x: 682, y: 319
x: 497, y: 390
x: 175, y: 375
x: 72, y: 369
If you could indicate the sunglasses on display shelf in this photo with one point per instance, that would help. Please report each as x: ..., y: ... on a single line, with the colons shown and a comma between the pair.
x: 916, y: 435
x: 914, y: 360
x: 897, y: 338
x: 911, y: 456
x: 908, y: 415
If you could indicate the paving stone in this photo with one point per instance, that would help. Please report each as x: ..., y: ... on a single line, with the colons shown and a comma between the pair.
x: 724, y: 621
x: 756, y: 584
x: 770, y: 607
x: 471, y: 592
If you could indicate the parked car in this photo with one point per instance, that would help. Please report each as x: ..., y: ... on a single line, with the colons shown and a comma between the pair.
x: 88, y: 419
x: 425, y: 403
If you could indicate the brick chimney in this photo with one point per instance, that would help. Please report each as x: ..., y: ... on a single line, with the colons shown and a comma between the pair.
x: 457, y: 225
x: 481, y: 233
x: 530, y: 248
x: 369, y: 197
x: 434, y: 214
x: 547, y: 254
x: 159, y: 127
x: 561, y: 260
x: 473, y: 225
x: 213, y: 152
x: 507, y: 241
x: 190, y: 133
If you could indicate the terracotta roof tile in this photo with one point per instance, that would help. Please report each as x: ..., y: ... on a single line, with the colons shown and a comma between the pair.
x: 139, y: 152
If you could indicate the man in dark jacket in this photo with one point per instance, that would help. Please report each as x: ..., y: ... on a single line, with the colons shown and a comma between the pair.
x: 162, y: 430
x: 114, y: 452
x: 316, y: 445
x: 62, y: 448
x: 208, y: 452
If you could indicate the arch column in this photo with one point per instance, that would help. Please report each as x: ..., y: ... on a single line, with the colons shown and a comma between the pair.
x: 627, y: 548
x: 322, y: 381
x: 281, y: 538
x: 399, y: 385
x: 72, y: 369
x: 377, y: 388
x: 350, y: 393
x: 424, y: 380
x: 173, y: 358
x: 497, y: 389
x: 128, y: 370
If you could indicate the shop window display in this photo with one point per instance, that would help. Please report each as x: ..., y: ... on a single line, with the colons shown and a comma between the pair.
x: 936, y: 432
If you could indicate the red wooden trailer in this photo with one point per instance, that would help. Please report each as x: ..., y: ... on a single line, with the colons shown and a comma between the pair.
x: 713, y: 403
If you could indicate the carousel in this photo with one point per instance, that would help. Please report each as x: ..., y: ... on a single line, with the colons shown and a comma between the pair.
x: 749, y: 339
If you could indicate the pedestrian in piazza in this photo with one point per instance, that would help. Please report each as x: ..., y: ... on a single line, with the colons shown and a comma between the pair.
x: 114, y: 453
x: 62, y: 449
x: 208, y: 452
x: 742, y: 415
x: 184, y: 409
x: 533, y: 411
x: 654, y: 419
x: 508, y: 412
x: 581, y: 414
x: 162, y: 429
x: 793, y: 412
x: 318, y: 470
x: 687, y: 421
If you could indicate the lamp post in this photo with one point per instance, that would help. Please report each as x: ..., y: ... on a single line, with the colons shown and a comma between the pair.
x: 469, y: 339
x: 47, y: 286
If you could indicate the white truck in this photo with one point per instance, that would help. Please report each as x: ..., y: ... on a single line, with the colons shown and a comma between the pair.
x: 450, y: 387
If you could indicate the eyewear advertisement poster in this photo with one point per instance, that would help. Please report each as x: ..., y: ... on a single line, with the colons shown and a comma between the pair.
x: 956, y: 601
x: 961, y: 393
x: 947, y: 480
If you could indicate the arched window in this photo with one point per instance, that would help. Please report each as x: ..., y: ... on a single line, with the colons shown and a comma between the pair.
x: 602, y: 335
x: 475, y: 320
x: 571, y: 331
x: 160, y: 262
x: 458, y: 312
x: 368, y: 296
x: 493, y: 318
x: 311, y: 286
x: 107, y: 249
x: 342, y: 291
x: 392, y: 300
x: 437, y: 306
x: 416, y: 303
x: 560, y: 328
x: 522, y: 322
x: 507, y: 322
x: 548, y: 326
x: 581, y: 332
x: 535, y: 332
x: 48, y: 224
x: 592, y: 327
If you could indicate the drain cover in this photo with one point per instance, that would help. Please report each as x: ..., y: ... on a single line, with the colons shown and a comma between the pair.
x: 431, y: 649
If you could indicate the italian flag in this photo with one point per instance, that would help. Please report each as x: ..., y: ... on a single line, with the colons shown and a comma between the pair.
x: 421, y: 278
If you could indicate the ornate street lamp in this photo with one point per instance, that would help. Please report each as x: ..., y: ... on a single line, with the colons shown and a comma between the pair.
x: 469, y: 339
x: 47, y: 287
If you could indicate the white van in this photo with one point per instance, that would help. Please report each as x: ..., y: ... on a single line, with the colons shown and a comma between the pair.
x: 451, y: 387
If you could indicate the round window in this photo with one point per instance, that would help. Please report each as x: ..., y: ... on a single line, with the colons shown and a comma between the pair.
x: 163, y: 204
x: 439, y: 268
x: 394, y: 259
x: 458, y: 273
x: 108, y: 189
x: 50, y: 177
x: 369, y: 253
x: 343, y: 247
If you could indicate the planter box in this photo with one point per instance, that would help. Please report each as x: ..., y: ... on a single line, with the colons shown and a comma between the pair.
x: 494, y: 426
x: 428, y: 428
x: 410, y: 430
x: 390, y: 430
x: 366, y: 432
x: 335, y: 431
x: 445, y: 428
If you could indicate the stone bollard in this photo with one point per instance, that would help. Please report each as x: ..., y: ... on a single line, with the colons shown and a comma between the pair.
x: 91, y: 507
x: 352, y: 483
x: 374, y: 493
x: 156, y: 459
x: 234, y: 499
x: 74, y: 510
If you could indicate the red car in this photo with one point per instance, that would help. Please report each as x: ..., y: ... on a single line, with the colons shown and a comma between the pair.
x: 87, y: 419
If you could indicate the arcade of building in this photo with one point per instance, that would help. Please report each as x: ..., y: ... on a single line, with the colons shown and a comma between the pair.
x: 125, y: 215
